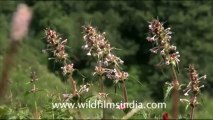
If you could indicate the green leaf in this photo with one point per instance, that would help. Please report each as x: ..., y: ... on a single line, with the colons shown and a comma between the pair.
x: 168, y: 87
x: 187, y: 107
x: 145, y: 116
x: 181, y: 85
x: 184, y: 101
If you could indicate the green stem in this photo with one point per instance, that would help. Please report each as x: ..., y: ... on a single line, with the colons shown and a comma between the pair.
x: 36, y: 111
x: 53, y: 112
x: 35, y: 103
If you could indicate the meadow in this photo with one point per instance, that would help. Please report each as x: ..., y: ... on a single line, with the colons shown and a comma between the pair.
x: 113, y: 51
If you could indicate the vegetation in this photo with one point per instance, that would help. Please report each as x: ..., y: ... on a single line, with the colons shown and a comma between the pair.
x: 126, y: 27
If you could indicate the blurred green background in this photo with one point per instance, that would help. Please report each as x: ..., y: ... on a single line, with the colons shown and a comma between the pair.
x: 126, y: 27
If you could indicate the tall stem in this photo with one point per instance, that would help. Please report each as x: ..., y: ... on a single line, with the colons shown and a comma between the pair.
x: 7, y: 65
x: 73, y: 85
x: 101, y: 83
x: 124, y: 91
x: 192, y: 107
x: 123, y: 86
x: 74, y: 92
x: 175, y: 94
x: 36, y: 114
x: 36, y: 111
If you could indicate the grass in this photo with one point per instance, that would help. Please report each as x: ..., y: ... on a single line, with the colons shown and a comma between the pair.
x: 20, y: 104
x: 50, y: 83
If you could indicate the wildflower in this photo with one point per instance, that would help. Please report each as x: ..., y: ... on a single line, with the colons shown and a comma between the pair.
x: 162, y: 52
x: 99, y: 70
x: 194, y: 84
x: 20, y: 23
x: 67, y: 69
x: 33, y: 80
x: 193, y: 88
x: 117, y: 75
x: 56, y: 45
x: 151, y: 39
x: 97, y: 46
x: 108, y: 64
x: 33, y: 77
x: 83, y: 88
x: 113, y: 59
x: 155, y: 27
x: 162, y: 37
x: 52, y: 37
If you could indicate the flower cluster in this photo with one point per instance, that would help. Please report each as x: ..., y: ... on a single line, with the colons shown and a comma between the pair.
x: 56, y: 45
x: 33, y: 80
x: 194, y: 84
x: 108, y: 64
x: 67, y: 69
x: 117, y: 75
x: 162, y: 37
x: 83, y: 89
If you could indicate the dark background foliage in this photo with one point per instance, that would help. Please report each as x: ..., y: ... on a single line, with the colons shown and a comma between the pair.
x: 126, y: 25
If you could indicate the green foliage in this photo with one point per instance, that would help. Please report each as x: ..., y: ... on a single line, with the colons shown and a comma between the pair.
x: 9, y: 113
x: 167, y: 91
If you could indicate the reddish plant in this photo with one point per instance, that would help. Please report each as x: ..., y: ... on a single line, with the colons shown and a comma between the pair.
x: 165, y: 116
